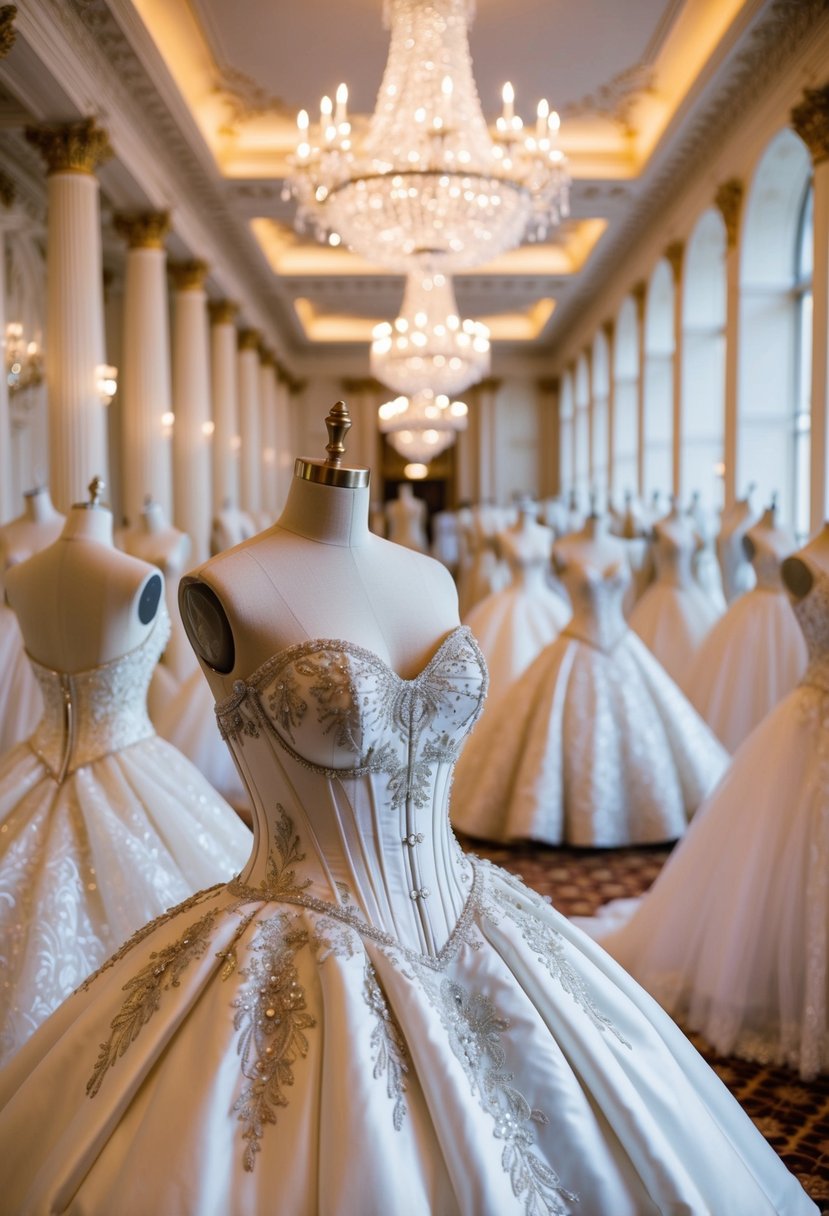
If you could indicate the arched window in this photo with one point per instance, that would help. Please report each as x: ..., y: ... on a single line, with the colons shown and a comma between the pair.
x: 625, y: 405
x: 658, y: 372
x: 581, y: 390
x: 775, y: 330
x: 567, y: 473
x: 703, y: 361
x: 600, y: 382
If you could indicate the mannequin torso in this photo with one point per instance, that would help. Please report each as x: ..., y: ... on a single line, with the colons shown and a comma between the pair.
x: 592, y: 546
x: 38, y: 526
x: 796, y: 572
x: 766, y: 544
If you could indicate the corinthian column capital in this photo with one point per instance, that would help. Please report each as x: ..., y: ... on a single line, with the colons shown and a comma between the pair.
x: 8, y: 33
x: 810, y: 119
x: 189, y: 276
x: 144, y: 231
x: 222, y: 312
x: 729, y: 202
x: 74, y: 147
x: 249, y: 339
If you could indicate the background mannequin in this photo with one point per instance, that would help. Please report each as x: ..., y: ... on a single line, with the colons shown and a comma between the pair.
x: 593, y: 545
x: 796, y: 572
x: 737, y: 574
x: 20, y: 701
x: 407, y: 519
x: 230, y: 527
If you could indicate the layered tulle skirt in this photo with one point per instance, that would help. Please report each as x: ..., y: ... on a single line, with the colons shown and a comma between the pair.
x: 86, y: 862
x: 250, y: 1056
x: 512, y: 627
x: 673, y: 622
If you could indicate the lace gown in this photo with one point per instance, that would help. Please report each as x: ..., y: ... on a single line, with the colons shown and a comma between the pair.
x: 20, y: 701
x: 674, y: 615
x: 594, y: 744
x: 102, y: 826
x: 747, y: 965
x: 512, y: 626
x: 367, y: 1021
x: 754, y: 655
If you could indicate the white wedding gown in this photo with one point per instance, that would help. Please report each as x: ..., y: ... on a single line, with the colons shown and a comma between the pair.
x: 674, y: 614
x: 733, y: 938
x: 594, y: 744
x: 20, y: 701
x: 102, y: 826
x: 514, y: 625
x: 368, y: 1022
x: 752, y: 657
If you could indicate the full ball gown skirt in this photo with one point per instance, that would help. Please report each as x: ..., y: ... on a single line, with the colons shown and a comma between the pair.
x: 102, y: 826
x: 20, y: 701
x: 733, y: 938
x: 752, y: 657
x: 368, y: 1022
x: 594, y: 745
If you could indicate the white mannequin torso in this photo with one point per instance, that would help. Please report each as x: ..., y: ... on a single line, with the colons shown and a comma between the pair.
x: 796, y: 571
x: 592, y: 546
x: 317, y: 573
x: 156, y: 541
x: 80, y: 602
x: 38, y: 526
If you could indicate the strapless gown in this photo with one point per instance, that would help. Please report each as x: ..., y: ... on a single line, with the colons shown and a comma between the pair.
x: 20, y: 701
x: 594, y: 744
x: 733, y: 938
x: 675, y: 614
x: 366, y: 1021
x: 752, y: 657
x: 514, y: 625
x: 102, y: 826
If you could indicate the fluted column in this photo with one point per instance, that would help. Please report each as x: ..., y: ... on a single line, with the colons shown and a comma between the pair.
x: 675, y: 255
x: 729, y: 202
x: 487, y: 393
x: 6, y: 505
x: 639, y: 294
x: 250, y: 468
x: 609, y: 328
x: 285, y: 431
x: 144, y: 381
x: 192, y: 488
x: 268, y: 423
x: 224, y: 388
x: 810, y: 120
x: 74, y: 307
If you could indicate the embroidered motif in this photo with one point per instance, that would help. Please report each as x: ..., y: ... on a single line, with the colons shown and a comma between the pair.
x: 272, y: 1015
x: 280, y: 881
x: 475, y: 1032
x: 162, y: 972
x: 286, y: 704
x: 387, y: 1045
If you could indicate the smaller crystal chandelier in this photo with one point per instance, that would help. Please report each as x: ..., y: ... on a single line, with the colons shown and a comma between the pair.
x: 429, y: 346
x: 24, y: 360
x: 421, y: 428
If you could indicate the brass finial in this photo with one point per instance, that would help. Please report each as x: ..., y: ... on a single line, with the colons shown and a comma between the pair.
x: 96, y: 488
x: 330, y: 472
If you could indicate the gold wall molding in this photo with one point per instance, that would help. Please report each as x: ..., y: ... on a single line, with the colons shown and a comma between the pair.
x: 249, y: 339
x: 75, y: 147
x: 549, y: 384
x: 147, y: 230
x: 190, y: 275
x: 609, y: 329
x: 675, y: 257
x: 8, y: 33
x: 639, y: 291
x: 810, y: 119
x: 729, y: 202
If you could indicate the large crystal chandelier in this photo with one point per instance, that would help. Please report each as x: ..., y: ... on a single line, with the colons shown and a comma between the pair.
x: 429, y: 346
x: 429, y: 184
x: 422, y: 427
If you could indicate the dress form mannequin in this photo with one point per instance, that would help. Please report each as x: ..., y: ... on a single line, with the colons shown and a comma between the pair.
x: 795, y: 571
x: 230, y: 527
x: 407, y: 519
x: 80, y: 602
x: 317, y: 573
x: 737, y: 574
x: 593, y: 545
x: 705, y: 565
x: 155, y: 540
x: 20, y: 701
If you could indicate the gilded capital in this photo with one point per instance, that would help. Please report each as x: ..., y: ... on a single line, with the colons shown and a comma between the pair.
x: 8, y: 33
x: 74, y: 147
x: 249, y: 339
x: 7, y: 189
x: 729, y: 203
x: 266, y: 357
x: 674, y: 256
x: 549, y: 385
x: 189, y: 276
x: 810, y: 119
x: 222, y: 312
x: 609, y: 329
x: 639, y: 292
x: 144, y: 231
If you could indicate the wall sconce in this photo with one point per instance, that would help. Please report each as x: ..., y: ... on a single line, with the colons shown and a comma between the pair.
x: 106, y: 382
x: 24, y: 360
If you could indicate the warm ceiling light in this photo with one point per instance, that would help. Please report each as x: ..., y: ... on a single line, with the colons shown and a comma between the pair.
x: 416, y: 471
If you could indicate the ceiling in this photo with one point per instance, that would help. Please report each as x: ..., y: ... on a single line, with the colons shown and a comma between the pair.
x: 226, y: 81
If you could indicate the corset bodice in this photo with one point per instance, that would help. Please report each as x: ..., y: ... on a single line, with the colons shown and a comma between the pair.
x: 596, y: 597
x: 528, y: 558
x: 673, y: 556
x: 89, y: 714
x: 359, y: 761
x: 812, y: 612
x: 766, y: 562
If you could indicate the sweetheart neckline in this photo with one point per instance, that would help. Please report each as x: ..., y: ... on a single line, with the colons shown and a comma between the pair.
x: 260, y: 673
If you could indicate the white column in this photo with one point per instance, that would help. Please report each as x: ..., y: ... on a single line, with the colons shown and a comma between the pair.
x: 487, y: 392
x: 675, y: 254
x: 268, y: 422
x: 639, y: 293
x: 729, y: 201
x: 224, y: 387
x: 250, y: 476
x: 192, y: 488
x: 6, y: 505
x: 285, y: 431
x: 74, y: 338
x: 144, y: 380
x: 609, y: 328
x: 364, y: 398
x: 811, y: 121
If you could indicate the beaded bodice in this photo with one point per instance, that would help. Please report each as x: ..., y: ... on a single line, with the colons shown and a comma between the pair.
x: 91, y: 713
x: 360, y: 760
x: 812, y: 612
x: 596, y: 597
x: 674, y: 550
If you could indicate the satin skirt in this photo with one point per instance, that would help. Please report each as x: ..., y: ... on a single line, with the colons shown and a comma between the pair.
x: 21, y: 702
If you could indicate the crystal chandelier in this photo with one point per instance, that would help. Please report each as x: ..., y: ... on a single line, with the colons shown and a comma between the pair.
x: 429, y: 184
x: 24, y: 360
x: 421, y: 428
x: 429, y: 346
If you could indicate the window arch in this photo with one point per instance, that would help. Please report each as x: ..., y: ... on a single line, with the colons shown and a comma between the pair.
x: 658, y: 387
x: 581, y: 392
x: 703, y: 361
x: 566, y: 432
x: 599, y: 420
x: 625, y: 437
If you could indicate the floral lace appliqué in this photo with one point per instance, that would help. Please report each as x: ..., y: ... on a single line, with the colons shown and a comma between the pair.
x: 387, y: 1044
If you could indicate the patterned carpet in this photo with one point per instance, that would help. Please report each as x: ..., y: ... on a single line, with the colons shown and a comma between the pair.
x: 791, y: 1114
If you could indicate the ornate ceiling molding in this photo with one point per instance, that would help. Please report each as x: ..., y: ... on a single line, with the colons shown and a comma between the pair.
x: 246, y: 100
x: 8, y: 34
x: 617, y: 99
x: 810, y: 119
